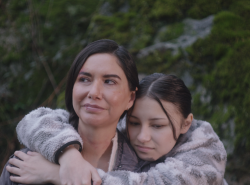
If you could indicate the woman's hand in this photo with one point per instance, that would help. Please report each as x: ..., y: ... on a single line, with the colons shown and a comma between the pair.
x: 75, y: 170
x: 33, y: 168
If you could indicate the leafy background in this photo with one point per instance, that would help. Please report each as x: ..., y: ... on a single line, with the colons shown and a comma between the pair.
x: 40, y: 38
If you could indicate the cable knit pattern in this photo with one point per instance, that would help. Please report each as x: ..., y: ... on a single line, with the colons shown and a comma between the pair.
x: 199, y: 157
x: 45, y: 130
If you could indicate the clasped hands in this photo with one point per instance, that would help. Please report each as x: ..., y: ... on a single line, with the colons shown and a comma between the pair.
x: 33, y: 168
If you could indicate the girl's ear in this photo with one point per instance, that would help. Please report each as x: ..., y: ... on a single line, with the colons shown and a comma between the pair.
x: 187, y: 123
x: 132, y: 99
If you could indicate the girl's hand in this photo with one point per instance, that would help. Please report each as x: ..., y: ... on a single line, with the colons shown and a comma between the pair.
x: 33, y: 168
x: 75, y: 170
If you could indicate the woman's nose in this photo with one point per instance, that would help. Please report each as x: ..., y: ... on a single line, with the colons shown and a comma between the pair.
x: 144, y: 135
x: 95, y: 91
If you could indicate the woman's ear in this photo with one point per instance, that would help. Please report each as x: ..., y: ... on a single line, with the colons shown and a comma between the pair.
x: 132, y: 99
x: 187, y: 123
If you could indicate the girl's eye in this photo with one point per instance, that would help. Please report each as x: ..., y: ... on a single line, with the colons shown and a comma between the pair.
x: 111, y: 82
x: 134, y: 123
x: 157, y: 126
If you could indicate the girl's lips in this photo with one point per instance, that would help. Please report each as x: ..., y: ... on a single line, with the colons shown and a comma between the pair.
x: 143, y: 148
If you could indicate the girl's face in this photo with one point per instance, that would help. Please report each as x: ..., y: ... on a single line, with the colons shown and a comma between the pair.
x: 150, y: 131
x: 101, y: 91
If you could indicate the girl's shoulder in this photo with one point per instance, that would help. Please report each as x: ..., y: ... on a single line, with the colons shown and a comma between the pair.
x: 199, y: 144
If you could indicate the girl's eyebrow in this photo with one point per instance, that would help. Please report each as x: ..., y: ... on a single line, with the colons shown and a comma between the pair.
x: 149, y: 119
x: 133, y: 116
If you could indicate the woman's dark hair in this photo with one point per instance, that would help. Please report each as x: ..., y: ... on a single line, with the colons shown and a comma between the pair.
x: 99, y: 46
x: 168, y: 88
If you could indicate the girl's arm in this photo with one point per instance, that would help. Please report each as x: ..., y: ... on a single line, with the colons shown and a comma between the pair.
x: 47, y: 132
x: 199, y: 158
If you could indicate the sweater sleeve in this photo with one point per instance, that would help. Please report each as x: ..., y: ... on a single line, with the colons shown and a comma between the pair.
x: 199, y: 158
x: 47, y: 132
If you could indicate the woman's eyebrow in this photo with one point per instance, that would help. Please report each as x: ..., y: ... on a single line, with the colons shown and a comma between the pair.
x: 85, y: 73
x: 111, y: 75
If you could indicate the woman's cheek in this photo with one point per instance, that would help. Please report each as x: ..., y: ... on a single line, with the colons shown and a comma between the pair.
x: 117, y: 98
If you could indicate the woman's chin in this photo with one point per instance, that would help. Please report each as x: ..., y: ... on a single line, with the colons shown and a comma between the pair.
x: 93, y: 120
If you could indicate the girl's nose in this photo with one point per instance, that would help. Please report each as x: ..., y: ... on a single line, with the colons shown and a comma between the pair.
x: 144, y: 135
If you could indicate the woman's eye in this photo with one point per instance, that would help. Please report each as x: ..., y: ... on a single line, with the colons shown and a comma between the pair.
x: 83, y: 79
x: 109, y: 82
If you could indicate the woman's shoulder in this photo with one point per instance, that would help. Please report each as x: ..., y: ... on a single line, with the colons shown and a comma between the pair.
x: 5, y: 176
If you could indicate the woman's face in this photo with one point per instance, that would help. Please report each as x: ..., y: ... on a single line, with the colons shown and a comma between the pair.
x: 150, y: 131
x: 101, y: 91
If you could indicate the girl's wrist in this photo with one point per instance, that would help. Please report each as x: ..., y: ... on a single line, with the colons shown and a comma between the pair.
x: 53, y: 175
x: 68, y: 153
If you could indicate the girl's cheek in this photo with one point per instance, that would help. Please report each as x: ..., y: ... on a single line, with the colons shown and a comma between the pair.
x: 133, y: 133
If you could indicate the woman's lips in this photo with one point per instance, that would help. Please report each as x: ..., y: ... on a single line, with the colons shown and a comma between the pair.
x: 92, y: 108
x: 143, y: 148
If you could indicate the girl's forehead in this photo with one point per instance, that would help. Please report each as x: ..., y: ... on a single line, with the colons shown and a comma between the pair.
x: 148, y: 107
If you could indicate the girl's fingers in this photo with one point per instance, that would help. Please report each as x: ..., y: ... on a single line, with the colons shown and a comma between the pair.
x: 13, y: 170
x: 21, y: 155
x: 16, y: 179
x: 96, y: 178
x: 16, y: 162
x: 32, y: 153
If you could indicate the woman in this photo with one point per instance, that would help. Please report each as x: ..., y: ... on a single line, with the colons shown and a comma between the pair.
x: 100, y: 89
x: 162, y: 90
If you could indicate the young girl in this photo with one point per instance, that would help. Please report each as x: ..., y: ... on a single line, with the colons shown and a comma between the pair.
x: 171, y: 146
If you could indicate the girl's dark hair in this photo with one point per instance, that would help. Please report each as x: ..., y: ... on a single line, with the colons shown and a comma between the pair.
x: 99, y: 46
x: 168, y: 88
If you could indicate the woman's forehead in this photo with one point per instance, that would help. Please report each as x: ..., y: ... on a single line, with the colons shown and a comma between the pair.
x: 104, y: 63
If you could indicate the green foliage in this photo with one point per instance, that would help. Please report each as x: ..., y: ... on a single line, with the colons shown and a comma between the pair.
x: 221, y: 63
x: 38, y: 42
x: 39, y: 39
x: 160, y: 61
x: 171, y: 31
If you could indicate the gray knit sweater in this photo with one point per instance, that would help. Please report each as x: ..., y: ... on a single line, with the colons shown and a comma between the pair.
x: 199, y: 157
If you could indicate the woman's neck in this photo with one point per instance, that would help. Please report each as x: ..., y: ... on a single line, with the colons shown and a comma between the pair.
x: 97, y: 144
